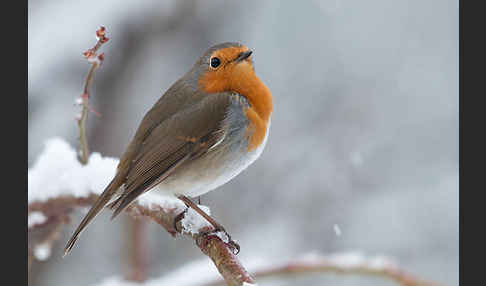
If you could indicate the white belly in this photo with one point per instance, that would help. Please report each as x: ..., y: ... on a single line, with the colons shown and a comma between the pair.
x: 202, y: 177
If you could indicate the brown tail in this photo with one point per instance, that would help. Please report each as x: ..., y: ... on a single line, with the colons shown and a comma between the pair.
x: 95, y: 209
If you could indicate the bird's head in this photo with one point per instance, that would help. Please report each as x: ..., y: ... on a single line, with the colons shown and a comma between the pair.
x: 224, y: 67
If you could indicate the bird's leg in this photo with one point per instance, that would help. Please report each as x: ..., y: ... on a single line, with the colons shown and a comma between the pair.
x: 195, y: 207
x: 217, y: 227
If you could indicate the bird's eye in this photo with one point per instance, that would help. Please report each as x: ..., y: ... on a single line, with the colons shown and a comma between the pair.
x: 215, y: 62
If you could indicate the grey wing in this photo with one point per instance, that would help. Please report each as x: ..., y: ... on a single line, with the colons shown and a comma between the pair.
x: 179, y: 139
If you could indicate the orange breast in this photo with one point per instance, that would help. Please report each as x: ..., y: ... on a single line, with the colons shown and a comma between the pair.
x: 256, y: 130
x: 242, y: 79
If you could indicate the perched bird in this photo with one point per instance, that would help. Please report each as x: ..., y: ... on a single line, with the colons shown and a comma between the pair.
x: 206, y: 128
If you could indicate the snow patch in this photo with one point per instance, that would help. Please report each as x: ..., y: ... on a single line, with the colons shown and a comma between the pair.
x: 348, y: 260
x: 223, y: 236
x: 35, y: 218
x: 42, y: 251
x: 380, y: 263
x: 57, y: 172
x: 193, y: 222
x: 152, y: 200
x: 357, y: 259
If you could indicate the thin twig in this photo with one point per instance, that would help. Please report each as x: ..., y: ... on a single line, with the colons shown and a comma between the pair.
x: 95, y: 61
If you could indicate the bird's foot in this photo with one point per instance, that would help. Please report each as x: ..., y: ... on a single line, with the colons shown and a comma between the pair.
x: 218, y: 229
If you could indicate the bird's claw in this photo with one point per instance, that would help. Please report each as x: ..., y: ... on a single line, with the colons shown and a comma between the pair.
x: 235, y: 247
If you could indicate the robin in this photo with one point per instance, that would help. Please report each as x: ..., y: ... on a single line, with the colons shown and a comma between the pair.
x: 207, y: 128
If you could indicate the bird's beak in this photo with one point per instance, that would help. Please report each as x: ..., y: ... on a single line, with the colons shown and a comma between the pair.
x: 243, y: 56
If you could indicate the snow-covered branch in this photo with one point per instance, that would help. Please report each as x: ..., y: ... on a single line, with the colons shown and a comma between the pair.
x: 346, y: 263
x: 59, y: 183
x: 340, y: 263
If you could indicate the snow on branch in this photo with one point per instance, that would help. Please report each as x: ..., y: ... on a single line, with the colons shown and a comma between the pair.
x: 57, y: 172
x: 58, y: 183
x: 342, y: 263
x: 346, y: 263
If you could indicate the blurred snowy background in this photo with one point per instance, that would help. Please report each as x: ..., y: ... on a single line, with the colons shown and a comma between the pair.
x: 364, y: 133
